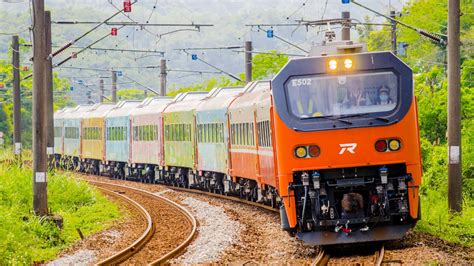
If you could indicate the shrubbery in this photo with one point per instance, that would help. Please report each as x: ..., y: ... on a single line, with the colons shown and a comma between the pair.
x: 24, y: 238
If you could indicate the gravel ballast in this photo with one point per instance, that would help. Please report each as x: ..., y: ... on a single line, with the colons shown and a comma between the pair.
x: 216, y: 232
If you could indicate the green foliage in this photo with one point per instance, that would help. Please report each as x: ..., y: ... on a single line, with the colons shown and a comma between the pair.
x: 60, y: 87
x: 265, y: 66
x: 24, y: 238
x: 205, y: 86
x: 130, y: 94
x: 427, y: 60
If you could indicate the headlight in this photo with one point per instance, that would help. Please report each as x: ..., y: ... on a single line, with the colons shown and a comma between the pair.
x: 394, y: 144
x: 348, y: 63
x: 301, y: 152
x: 332, y: 64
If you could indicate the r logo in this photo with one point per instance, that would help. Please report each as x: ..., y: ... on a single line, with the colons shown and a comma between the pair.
x: 350, y: 147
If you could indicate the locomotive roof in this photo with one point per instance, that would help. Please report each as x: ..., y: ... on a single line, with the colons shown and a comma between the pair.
x: 219, y: 98
x: 152, y: 106
x: 186, y: 102
x: 123, y: 108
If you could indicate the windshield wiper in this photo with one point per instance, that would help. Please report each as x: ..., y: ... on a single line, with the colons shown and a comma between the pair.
x: 340, y: 119
x: 366, y: 114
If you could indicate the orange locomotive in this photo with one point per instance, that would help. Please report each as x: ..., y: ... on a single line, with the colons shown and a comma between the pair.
x: 347, y: 147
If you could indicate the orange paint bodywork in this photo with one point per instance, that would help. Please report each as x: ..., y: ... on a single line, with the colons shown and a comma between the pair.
x: 364, y: 154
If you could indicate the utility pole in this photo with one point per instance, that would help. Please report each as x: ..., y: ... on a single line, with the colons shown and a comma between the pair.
x: 16, y: 97
x: 114, y: 86
x: 40, y: 196
x: 48, y: 87
x: 454, y: 108
x: 102, y: 92
x: 163, y: 77
x: 393, y: 32
x: 248, y: 61
x: 346, y: 26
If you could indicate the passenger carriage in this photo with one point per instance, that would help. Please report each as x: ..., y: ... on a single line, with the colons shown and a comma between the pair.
x: 72, y: 135
x: 117, y: 138
x: 147, y: 137
x: 267, y: 176
x: 93, y: 138
x: 213, y: 162
x: 179, y: 138
x: 245, y: 165
x: 59, y: 132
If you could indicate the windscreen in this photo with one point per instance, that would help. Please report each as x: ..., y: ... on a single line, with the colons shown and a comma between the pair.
x: 341, y: 95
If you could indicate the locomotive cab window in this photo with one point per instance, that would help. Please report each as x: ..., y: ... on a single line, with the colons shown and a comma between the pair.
x: 342, y: 95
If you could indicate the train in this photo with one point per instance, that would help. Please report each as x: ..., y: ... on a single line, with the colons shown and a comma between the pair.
x: 332, y: 141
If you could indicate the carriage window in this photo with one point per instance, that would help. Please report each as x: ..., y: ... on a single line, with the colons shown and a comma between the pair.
x: 319, y: 96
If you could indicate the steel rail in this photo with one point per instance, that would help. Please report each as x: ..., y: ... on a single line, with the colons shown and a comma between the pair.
x: 379, y: 254
x: 322, y: 258
x: 129, y: 251
x: 195, y: 191
x: 183, y: 210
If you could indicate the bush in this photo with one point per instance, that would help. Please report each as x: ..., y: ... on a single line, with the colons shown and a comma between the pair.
x: 24, y: 238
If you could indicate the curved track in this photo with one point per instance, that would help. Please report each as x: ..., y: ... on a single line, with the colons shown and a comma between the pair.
x: 134, y: 248
x: 126, y: 253
x: 196, y: 191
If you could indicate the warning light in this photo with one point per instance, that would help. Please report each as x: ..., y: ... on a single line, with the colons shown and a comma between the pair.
x: 113, y: 32
x: 127, y: 6
x: 348, y: 63
x: 332, y: 64
x: 269, y: 33
x: 194, y: 57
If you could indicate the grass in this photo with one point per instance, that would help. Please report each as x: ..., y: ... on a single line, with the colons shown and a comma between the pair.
x: 436, y: 219
x: 25, y: 239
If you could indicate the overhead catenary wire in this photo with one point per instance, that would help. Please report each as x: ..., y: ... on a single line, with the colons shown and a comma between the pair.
x: 108, y: 49
x: 269, y: 53
x: 283, y: 40
x: 213, y: 66
x: 70, y: 43
x: 434, y: 37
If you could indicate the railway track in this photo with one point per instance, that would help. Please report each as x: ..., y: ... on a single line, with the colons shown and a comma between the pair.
x: 324, y: 256
x: 163, y: 239
x: 235, y: 199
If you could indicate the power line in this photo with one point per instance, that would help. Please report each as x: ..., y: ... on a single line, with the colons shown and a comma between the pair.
x: 136, y: 24
x: 283, y: 40
x: 210, y: 48
x: 98, y: 24
x: 434, y: 37
x: 144, y: 86
x: 213, y: 66
x: 107, y: 49
x: 269, y: 53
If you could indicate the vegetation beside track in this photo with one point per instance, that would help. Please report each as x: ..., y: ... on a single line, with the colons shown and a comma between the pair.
x: 24, y: 238
x: 428, y: 62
